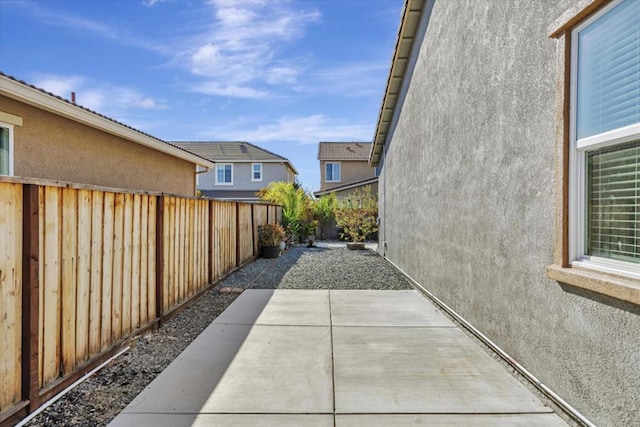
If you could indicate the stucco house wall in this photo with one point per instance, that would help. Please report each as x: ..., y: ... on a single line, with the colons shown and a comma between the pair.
x: 343, y: 194
x: 467, y: 201
x: 242, y: 177
x: 49, y: 146
x: 349, y: 171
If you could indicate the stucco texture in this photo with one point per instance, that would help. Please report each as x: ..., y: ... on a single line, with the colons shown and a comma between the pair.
x: 350, y: 171
x: 467, y: 202
x: 48, y: 146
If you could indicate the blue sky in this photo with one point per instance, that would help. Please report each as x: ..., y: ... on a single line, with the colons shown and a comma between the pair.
x: 282, y: 74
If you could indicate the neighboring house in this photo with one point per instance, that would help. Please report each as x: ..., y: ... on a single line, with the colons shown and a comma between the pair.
x: 515, y: 126
x: 241, y: 169
x: 46, y: 137
x: 344, y: 167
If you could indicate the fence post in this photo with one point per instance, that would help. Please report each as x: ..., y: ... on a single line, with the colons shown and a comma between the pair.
x: 238, y: 252
x: 210, y: 246
x: 254, y: 233
x: 30, y: 295
x: 159, y: 256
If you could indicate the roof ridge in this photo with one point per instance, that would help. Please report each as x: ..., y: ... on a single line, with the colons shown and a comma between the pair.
x: 22, y: 82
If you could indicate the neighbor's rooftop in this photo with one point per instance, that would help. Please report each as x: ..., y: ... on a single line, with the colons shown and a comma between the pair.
x: 344, y: 150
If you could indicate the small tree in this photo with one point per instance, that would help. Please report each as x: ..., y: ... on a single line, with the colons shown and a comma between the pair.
x: 357, y: 215
x: 296, y: 205
x: 324, y: 211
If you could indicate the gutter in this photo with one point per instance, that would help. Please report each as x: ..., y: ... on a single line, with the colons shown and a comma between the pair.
x: 543, y: 388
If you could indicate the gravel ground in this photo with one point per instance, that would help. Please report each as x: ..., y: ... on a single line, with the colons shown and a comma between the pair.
x: 100, y: 398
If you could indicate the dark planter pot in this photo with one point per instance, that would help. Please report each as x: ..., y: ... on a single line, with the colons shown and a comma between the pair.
x: 270, y: 251
x: 354, y: 246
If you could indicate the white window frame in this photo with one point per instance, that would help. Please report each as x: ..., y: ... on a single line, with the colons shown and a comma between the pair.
x: 216, y: 174
x: 339, y: 172
x: 253, y: 179
x: 10, y: 127
x: 577, y: 171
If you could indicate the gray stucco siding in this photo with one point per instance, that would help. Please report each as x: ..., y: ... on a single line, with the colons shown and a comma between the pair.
x: 242, y: 177
x: 470, y: 164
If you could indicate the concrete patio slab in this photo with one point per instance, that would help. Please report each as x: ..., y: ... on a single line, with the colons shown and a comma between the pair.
x: 279, y: 369
x: 421, y: 370
x: 449, y: 420
x: 245, y: 369
x: 383, y: 358
x: 279, y: 307
x: 384, y: 308
x: 222, y: 420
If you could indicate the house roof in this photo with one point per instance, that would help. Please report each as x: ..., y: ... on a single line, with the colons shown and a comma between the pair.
x: 347, y: 186
x: 344, y: 150
x: 37, y: 97
x: 411, y: 15
x: 232, y: 152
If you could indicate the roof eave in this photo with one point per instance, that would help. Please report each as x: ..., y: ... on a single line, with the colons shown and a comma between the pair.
x: 37, y: 98
x: 411, y: 14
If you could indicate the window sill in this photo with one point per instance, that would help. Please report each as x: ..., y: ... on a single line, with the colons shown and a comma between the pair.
x: 621, y: 288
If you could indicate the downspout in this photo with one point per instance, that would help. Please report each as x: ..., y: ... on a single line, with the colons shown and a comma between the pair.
x: 550, y: 394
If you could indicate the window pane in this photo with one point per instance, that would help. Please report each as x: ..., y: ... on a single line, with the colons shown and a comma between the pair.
x: 4, y: 151
x: 227, y: 173
x: 329, y: 172
x: 336, y: 172
x: 613, y: 192
x: 609, y: 71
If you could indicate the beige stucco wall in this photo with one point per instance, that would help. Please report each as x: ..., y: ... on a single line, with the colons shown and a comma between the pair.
x: 48, y: 146
x: 350, y: 171
x: 342, y: 194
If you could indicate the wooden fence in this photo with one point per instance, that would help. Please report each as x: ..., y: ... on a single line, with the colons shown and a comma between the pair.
x: 84, y: 269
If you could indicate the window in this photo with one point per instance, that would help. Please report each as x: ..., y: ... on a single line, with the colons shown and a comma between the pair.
x: 256, y: 172
x: 224, y: 174
x: 332, y: 172
x: 604, y: 174
x: 6, y: 149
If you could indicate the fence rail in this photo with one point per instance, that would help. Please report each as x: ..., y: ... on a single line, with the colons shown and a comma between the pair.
x: 82, y: 269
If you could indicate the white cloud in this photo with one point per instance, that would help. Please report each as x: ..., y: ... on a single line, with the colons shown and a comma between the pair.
x: 65, y: 19
x: 234, y: 91
x: 151, y: 3
x: 101, y: 97
x: 238, y: 55
x: 302, y: 130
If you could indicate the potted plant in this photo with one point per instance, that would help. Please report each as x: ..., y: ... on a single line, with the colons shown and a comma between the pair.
x: 270, y: 237
x: 308, y: 231
x: 357, y: 216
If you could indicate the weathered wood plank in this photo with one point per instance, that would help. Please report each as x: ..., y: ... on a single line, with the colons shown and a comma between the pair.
x: 126, y: 264
x: 41, y: 270
x: 189, y: 242
x: 173, y: 261
x: 10, y: 294
x: 118, y: 251
x: 51, y: 285
x: 144, y: 268
x: 156, y: 258
x: 95, y: 290
x: 151, y: 257
x: 83, y: 275
x: 183, y: 250
x: 135, y: 264
x: 30, y: 296
x: 69, y: 278
x: 107, y: 270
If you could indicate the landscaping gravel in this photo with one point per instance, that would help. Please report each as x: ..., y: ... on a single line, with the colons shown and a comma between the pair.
x: 101, y: 397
